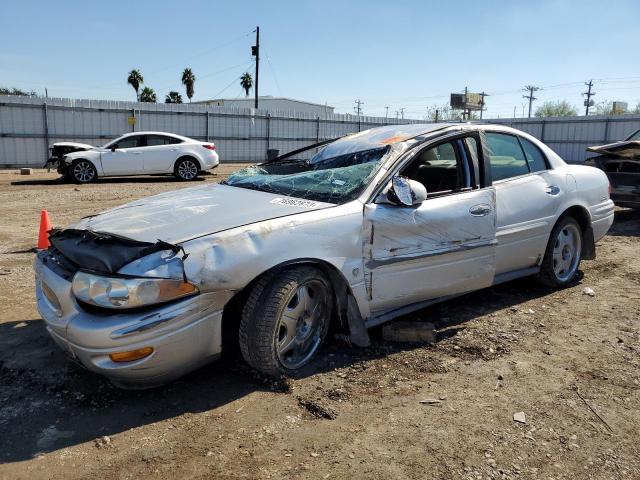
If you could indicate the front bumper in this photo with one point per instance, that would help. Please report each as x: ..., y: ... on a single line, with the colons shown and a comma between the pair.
x: 184, y: 335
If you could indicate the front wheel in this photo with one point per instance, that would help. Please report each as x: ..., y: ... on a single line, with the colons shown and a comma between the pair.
x: 285, y: 320
x: 82, y: 171
x: 187, y: 169
x: 564, y: 252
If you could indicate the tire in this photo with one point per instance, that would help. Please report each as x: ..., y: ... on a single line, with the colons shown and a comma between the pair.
x: 82, y: 171
x: 285, y: 320
x: 563, y: 255
x: 187, y: 169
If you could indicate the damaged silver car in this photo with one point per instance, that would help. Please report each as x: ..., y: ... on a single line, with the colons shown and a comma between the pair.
x: 346, y: 236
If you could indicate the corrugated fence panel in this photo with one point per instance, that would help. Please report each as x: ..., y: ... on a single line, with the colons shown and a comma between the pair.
x: 28, y: 127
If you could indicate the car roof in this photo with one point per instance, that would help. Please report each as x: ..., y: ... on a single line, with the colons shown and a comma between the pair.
x: 181, y: 137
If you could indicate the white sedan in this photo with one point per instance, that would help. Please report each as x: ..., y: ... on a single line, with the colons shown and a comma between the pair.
x: 141, y: 153
x: 373, y: 226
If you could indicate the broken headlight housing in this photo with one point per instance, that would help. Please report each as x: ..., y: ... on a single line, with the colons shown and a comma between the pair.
x: 128, y: 292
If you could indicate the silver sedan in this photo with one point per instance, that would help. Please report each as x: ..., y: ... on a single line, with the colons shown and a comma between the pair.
x: 351, y: 233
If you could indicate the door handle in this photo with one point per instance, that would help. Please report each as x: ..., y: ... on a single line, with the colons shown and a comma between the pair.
x: 481, y: 210
x: 135, y: 153
x: 553, y: 190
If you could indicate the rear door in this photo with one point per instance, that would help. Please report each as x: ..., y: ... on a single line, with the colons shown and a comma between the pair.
x: 160, y: 153
x: 442, y: 247
x: 528, y: 195
x: 126, y: 158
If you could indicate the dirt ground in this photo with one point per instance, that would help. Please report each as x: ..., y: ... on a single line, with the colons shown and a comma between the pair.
x: 569, y: 361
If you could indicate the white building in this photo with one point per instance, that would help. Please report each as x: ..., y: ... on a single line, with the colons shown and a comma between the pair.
x: 270, y: 103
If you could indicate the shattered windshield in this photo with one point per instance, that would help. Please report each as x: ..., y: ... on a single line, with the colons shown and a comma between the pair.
x: 333, y: 179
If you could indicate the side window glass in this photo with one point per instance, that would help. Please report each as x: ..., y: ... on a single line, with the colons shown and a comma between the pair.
x: 505, y: 156
x: 439, y: 169
x: 155, y: 140
x: 535, y: 158
x: 129, y: 142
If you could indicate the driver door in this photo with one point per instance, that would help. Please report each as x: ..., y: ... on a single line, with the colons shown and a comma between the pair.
x: 126, y: 158
x: 442, y: 247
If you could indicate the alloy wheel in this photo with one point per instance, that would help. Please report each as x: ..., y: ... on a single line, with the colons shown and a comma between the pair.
x: 187, y: 170
x: 566, y: 252
x: 84, y: 171
x: 302, y: 324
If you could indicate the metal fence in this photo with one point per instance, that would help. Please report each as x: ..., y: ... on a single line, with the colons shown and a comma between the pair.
x: 570, y: 136
x: 29, y: 126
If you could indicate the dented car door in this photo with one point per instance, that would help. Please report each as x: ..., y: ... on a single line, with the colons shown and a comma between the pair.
x: 443, y: 247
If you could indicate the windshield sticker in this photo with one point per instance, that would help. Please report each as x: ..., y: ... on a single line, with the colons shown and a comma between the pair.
x: 294, y: 202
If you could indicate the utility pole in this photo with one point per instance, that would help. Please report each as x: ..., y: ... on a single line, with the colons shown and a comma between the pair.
x: 255, y: 51
x: 358, y: 107
x: 589, y: 94
x: 386, y: 112
x: 437, y: 112
x: 402, y: 113
x: 464, y: 110
x: 514, y: 111
x: 530, y: 97
x: 482, y: 95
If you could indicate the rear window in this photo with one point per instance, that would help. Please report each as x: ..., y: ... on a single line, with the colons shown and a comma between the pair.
x: 536, y: 159
x: 505, y: 156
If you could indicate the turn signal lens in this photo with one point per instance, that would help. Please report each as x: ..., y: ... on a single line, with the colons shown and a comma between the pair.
x: 131, y: 355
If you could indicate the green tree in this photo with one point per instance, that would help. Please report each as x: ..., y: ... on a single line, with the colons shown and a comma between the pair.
x: 17, y: 92
x: 246, y: 82
x: 606, y: 107
x: 135, y: 79
x: 445, y: 113
x: 188, y: 80
x: 561, y: 108
x: 173, y: 97
x: 148, y: 95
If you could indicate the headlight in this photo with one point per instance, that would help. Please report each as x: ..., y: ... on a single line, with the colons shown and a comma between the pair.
x: 119, y: 293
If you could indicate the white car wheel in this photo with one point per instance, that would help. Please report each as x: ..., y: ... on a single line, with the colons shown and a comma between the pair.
x: 187, y: 169
x: 83, y: 171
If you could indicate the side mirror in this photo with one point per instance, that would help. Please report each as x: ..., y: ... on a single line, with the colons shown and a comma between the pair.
x: 406, y: 192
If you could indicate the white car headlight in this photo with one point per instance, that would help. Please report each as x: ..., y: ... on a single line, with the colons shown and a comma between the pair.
x: 121, y: 293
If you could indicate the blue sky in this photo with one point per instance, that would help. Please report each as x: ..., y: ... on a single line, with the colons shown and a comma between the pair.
x: 402, y: 54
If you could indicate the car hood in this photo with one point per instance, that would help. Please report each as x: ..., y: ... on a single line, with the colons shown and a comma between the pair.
x: 624, y: 149
x: 185, y: 214
x: 74, y: 145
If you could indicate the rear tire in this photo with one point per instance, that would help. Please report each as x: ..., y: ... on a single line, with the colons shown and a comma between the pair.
x: 187, y: 169
x: 82, y: 171
x: 285, y: 320
x: 564, y: 252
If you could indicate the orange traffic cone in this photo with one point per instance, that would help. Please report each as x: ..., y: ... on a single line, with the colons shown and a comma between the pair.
x: 45, y: 227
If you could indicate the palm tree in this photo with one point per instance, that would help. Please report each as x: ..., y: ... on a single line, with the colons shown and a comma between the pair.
x: 188, y: 79
x: 246, y: 82
x: 135, y: 79
x: 173, y: 97
x: 148, y: 95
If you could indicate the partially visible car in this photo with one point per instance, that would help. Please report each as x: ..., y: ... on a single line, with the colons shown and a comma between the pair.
x: 621, y: 162
x: 141, y: 153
